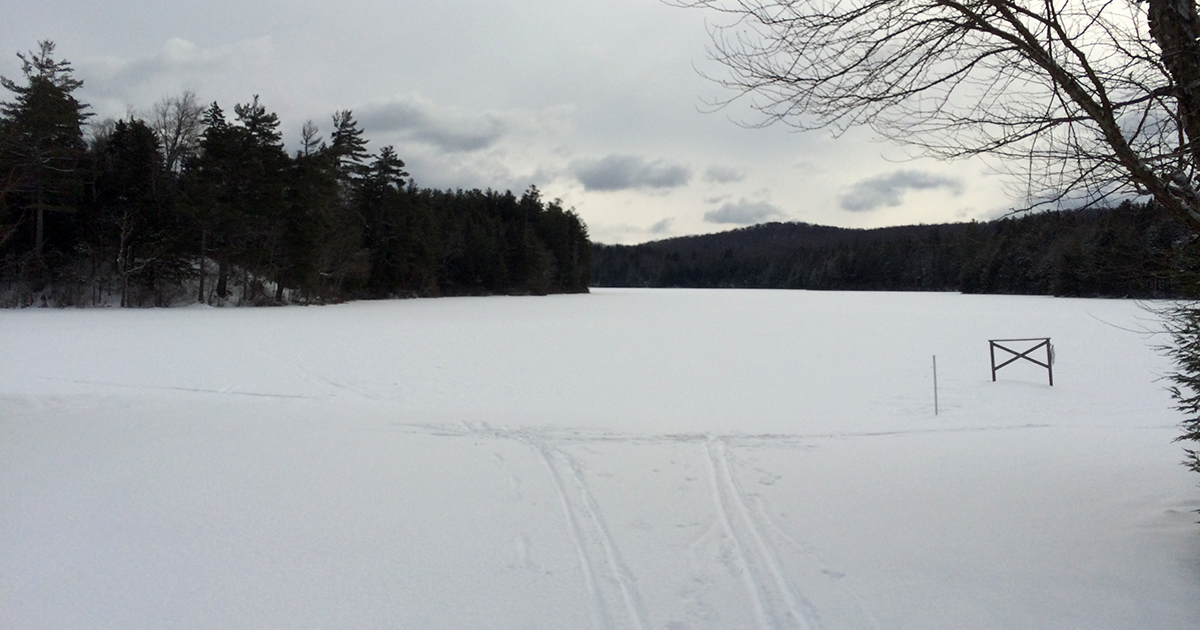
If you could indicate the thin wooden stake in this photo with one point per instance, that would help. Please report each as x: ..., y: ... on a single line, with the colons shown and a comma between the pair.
x: 935, y: 386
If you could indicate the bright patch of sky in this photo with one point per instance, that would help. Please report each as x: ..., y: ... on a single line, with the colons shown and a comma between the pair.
x: 601, y: 104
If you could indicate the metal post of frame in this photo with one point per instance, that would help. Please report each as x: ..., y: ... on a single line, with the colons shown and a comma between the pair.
x: 992, y: 349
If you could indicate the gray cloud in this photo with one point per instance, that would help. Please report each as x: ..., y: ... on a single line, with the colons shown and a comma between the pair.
x: 445, y: 129
x: 116, y: 86
x: 623, y: 172
x: 662, y: 227
x: 437, y: 169
x: 723, y: 175
x: 889, y: 190
x: 744, y: 212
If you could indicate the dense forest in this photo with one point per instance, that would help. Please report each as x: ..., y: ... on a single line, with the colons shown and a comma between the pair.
x: 189, y: 203
x: 1134, y: 250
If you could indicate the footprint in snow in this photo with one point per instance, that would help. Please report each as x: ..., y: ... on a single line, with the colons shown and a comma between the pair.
x: 521, y: 552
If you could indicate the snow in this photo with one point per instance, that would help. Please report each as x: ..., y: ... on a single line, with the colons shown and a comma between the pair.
x: 676, y: 459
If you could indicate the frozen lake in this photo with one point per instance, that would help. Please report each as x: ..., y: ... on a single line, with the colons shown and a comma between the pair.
x: 644, y: 459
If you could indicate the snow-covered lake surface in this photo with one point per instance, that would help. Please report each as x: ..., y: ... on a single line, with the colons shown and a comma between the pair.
x: 629, y: 459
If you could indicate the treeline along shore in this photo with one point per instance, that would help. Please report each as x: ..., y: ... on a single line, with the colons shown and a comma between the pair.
x: 187, y: 202
x: 1133, y: 250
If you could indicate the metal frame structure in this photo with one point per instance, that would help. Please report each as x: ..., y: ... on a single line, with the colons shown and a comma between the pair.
x: 1043, y: 342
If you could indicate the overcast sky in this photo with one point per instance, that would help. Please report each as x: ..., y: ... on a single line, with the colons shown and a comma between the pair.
x: 598, y: 102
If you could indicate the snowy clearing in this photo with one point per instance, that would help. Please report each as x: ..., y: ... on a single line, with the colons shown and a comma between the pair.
x: 629, y: 459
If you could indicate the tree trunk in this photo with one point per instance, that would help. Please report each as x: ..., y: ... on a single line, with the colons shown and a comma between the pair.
x: 125, y: 285
x: 40, y: 230
x: 1175, y: 27
x: 222, y: 278
x: 203, y: 254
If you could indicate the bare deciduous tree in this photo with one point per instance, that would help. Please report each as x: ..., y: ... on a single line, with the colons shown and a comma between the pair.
x: 178, y: 123
x: 1083, y: 98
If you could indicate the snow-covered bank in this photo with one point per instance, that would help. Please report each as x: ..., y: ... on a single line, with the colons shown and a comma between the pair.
x: 626, y: 459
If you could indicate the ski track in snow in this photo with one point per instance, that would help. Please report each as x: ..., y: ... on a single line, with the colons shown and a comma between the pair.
x: 776, y: 602
x: 600, y: 616
x: 313, y: 376
x: 227, y: 391
x: 625, y: 579
x: 588, y: 529
x: 558, y: 435
x: 594, y: 535
x: 818, y: 564
x: 753, y: 587
x: 741, y: 524
x: 615, y: 601
x: 762, y: 572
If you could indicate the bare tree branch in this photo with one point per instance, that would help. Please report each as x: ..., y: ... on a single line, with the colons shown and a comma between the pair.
x: 178, y: 123
x: 1082, y: 99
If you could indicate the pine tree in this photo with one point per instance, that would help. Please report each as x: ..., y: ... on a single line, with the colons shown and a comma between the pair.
x: 348, y: 147
x: 1183, y: 324
x: 206, y: 184
x: 388, y: 168
x: 44, y: 140
x: 262, y: 207
x: 137, y: 225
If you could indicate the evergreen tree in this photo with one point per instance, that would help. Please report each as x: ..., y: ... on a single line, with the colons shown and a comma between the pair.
x: 43, y: 134
x: 9, y: 179
x: 388, y: 169
x: 1183, y: 324
x: 262, y: 209
x: 348, y: 147
x: 209, y: 189
x: 312, y: 190
x: 382, y: 204
x: 136, y: 224
x: 237, y: 184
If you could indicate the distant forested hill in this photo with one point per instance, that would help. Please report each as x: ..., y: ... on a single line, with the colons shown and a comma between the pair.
x: 1134, y: 250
